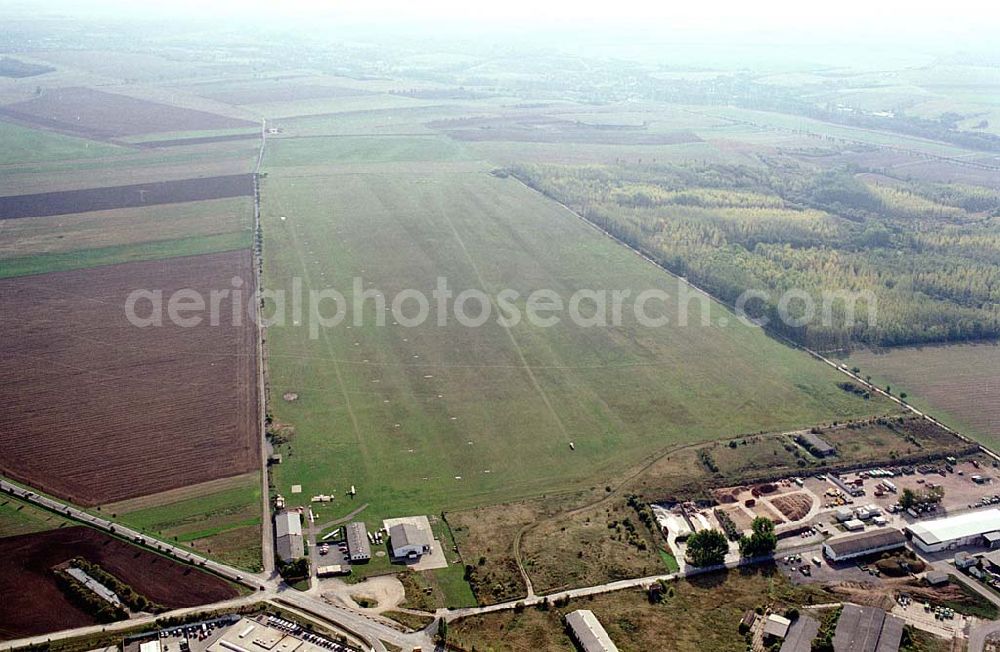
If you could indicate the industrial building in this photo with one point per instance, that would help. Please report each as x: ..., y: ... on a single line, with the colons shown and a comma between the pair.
x: 358, y: 546
x: 288, y: 536
x: 800, y: 635
x: 867, y: 629
x: 955, y: 531
x: 816, y: 444
x: 863, y: 543
x: 588, y: 632
x: 409, y: 541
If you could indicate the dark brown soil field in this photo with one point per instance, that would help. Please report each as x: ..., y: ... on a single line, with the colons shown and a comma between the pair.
x: 544, y: 129
x: 143, y: 194
x: 95, y: 114
x: 27, y: 560
x: 97, y: 410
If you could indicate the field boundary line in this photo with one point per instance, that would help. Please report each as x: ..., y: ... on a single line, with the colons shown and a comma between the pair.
x: 256, y: 253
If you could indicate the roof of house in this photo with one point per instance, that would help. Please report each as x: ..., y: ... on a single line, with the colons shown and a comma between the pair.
x: 408, y: 534
x: 936, y: 577
x: 956, y: 527
x: 800, y: 635
x: 855, y: 543
x: 992, y: 557
x: 776, y: 625
x: 287, y: 523
x: 588, y: 632
x: 992, y: 537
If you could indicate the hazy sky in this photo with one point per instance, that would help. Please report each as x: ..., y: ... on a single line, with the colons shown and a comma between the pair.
x: 721, y: 16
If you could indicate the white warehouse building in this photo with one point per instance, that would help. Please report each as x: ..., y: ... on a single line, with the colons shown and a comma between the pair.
x: 954, y: 531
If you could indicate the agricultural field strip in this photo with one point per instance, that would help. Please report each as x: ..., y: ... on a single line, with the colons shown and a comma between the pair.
x: 100, y: 115
x: 130, y: 196
x: 122, y: 379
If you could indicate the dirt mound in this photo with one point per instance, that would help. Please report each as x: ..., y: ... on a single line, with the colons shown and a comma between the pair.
x: 793, y: 506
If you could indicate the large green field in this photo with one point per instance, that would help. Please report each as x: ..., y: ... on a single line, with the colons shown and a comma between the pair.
x: 26, y: 145
x: 429, y: 417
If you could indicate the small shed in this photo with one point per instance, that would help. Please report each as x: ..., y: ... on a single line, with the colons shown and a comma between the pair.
x: 936, y: 578
x: 964, y: 560
x: 776, y: 626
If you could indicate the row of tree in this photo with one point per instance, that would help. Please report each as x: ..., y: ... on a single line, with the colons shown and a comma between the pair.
x: 883, y: 266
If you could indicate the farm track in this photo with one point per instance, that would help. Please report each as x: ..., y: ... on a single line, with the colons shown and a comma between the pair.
x: 266, y: 524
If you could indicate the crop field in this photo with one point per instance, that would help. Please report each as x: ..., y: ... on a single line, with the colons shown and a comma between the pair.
x: 60, y: 234
x: 88, y: 395
x: 957, y: 383
x: 26, y: 145
x: 549, y: 129
x: 282, y: 90
x: 145, y: 194
x: 96, y: 114
x: 28, y: 560
x: 424, y: 417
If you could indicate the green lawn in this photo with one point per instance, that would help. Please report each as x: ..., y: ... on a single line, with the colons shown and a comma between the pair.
x: 282, y: 152
x: 420, y: 419
x: 26, y: 145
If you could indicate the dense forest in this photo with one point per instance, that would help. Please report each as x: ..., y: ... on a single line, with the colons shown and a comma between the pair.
x: 927, y: 255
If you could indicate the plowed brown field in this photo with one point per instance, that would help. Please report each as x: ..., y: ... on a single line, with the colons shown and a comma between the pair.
x: 97, y: 410
x: 27, y: 561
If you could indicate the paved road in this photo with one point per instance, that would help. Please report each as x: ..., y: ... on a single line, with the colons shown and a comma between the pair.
x: 978, y: 635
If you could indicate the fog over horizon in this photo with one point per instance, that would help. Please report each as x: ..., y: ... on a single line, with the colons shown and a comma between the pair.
x: 716, y: 34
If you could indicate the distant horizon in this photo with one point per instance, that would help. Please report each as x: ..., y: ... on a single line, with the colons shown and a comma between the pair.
x: 629, y: 26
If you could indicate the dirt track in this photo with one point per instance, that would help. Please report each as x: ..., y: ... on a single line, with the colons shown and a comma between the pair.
x: 109, y: 198
x: 27, y: 561
x: 97, y: 410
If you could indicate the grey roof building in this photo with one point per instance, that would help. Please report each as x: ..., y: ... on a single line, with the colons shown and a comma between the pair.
x: 816, y: 444
x: 358, y: 546
x: 288, y: 536
x: 409, y: 541
x: 800, y: 635
x: 867, y: 629
x: 863, y: 543
x: 588, y: 632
